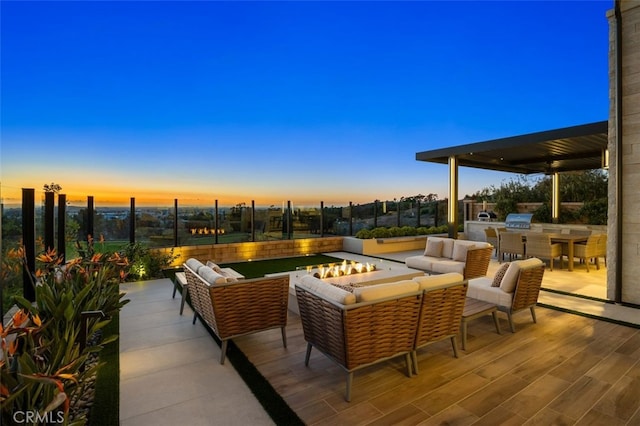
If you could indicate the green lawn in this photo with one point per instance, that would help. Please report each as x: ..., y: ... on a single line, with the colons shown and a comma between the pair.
x: 259, y: 268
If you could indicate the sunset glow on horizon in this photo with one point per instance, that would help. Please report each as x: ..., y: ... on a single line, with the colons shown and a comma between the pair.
x: 283, y: 101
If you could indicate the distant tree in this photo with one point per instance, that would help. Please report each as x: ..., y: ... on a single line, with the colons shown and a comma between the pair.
x: 52, y: 187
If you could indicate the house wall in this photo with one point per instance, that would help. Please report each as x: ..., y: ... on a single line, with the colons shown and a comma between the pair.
x: 629, y: 169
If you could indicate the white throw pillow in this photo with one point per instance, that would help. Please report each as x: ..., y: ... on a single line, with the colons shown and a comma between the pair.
x: 434, y: 248
x: 213, y: 266
x: 194, y: 264
x: 460, y: 252
x: 211, y: 276
x: 510, y: 278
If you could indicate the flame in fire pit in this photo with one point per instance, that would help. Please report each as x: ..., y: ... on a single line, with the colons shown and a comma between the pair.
x: 333, y: 270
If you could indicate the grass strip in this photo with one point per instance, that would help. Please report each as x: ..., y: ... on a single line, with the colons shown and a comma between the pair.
x: 259, y: 268
x: 106, y: 408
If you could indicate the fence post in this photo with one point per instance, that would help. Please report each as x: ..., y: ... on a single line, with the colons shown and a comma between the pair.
x: 49, y: 206
x: 62, y: 223
x: 175, y: 222
x: 29, y: 241
x: 398, y: 213
x: 90, y: 213
x: 418, y: 209
x: 289, y: 219
x: 321, y: 218
x: 216, y: 222
x: 350, y: 218
x: 375, y: 214
x: 132, y: 221
x: 253, y: 220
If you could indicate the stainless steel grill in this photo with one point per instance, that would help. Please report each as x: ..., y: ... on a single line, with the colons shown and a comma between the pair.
x: 518, y: 221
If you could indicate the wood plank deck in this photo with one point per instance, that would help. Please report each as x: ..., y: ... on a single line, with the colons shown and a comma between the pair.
x: 567, y: 369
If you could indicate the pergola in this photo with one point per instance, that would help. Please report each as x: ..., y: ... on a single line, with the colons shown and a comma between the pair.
x: 550, y: 152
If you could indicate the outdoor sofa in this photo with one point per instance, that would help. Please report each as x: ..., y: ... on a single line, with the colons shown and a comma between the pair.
x: 443, y: 255
x: 239, y: 307
x: 375, y: 323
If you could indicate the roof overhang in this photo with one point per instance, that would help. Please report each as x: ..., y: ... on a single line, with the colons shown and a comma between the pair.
x: 570, y: 148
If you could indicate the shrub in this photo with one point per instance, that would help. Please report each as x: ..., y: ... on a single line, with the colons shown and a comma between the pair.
x: 381, y: 232
x: 146, y: 263
x: 409, y: 230
x: 364, y: 234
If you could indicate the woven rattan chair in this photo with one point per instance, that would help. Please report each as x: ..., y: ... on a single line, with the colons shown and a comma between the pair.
x: 440, y: 317
x: 539, y: 245
x: 510, y: 243
x: 526, y: 294
x: 602, y: 247
x: 491, y: 236
x: 588, y: 251
x: 518, y: 296
x: 359, y: 335
x: 477, y: 262
x: 239, y: 308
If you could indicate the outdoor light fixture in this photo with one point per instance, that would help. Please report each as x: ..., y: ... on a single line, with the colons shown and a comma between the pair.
x: 605, y: 159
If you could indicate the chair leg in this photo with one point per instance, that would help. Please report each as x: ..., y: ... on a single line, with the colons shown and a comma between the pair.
x: 195, y: 315
x: 223, y: 351
x: 496, y: 322
x: 454, y: 343
x: 175, y: 288
x: 533, y: 314
x: 284, y: 337
x: 184, y: 299
x: 349, y: 382
x: 513, y: 329
x: 408, y: 360
x: 308, y: 355
x: 414, y: 355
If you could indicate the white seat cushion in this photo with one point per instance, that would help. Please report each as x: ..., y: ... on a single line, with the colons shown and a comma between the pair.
x: 481, y: 289
x: 446, y: 266
x: 423, y: 263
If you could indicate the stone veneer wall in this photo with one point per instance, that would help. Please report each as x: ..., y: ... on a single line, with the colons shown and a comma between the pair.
x: 630, y: 220
x: 238, y: 252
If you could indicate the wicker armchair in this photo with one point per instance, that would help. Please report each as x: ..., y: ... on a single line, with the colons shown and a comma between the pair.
x: 477, y: 262
x: 360, y: 334
x: 602, y: 247
x: 539, y: 245
x: 440, y: 317
x: 588, y: 251
x: 510, y: 243
x: 518, y: 290
x: 491, y: 236
x: 239, y: 308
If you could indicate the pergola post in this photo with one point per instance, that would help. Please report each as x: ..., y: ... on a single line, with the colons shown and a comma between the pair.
x: 453, y: 197
x: 555, y: 197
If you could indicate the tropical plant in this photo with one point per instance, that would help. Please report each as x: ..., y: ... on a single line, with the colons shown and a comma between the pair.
x: 44, y: 360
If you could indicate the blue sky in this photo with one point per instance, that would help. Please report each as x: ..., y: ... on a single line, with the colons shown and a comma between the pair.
x: 273, y: 101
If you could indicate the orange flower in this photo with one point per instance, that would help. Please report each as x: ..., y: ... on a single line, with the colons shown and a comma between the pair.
x: 36, y: 320
x: 19, y: 317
